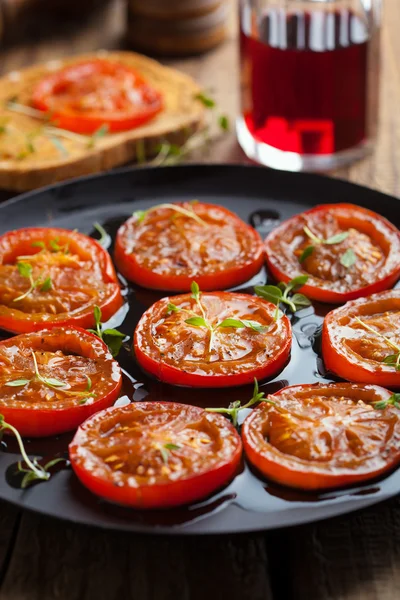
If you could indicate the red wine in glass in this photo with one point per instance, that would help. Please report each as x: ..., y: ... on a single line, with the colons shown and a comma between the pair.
x: 309, y: 86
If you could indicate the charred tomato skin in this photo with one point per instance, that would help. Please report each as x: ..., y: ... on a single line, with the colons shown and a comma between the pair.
x: 19, y: 242
x: 36, y: 417
x: 359, y: 358
x: 261, y: 361
x: 147, y: 272
x: 280, y: 443
x: 157, y: 486
x: 284, y: 246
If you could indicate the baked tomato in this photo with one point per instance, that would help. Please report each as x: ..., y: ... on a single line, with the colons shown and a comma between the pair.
x: 361, y: 340
x: 51, y: 277
x: 169, y: 245
x: 215, y: 339
x: 324, y: 436
x: 88, y: 95
x: 346, y: 251
x: 54, y: 379
x: 155, y: 454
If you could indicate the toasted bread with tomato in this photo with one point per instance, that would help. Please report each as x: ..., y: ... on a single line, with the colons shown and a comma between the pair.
x: 31, y: 158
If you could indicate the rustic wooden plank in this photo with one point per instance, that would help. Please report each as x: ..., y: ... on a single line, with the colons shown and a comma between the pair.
x: 355, y: 557
x: 9, y: 524
x: 52, y: 559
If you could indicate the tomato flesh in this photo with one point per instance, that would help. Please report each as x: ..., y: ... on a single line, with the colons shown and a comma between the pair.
x: 69, y: 355
x: 168, y: 249
x: 354, y: 352
x: 373, y: 244
x: 182, y: 354
x: 154, y: 454
x: 81, y: 274
x: 88, y: 95
x: 323, y: 436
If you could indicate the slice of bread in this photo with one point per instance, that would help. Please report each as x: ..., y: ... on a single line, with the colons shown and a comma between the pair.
x: 30, y: 157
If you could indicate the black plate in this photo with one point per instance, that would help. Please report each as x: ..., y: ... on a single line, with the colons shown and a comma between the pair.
x: 263, y: 198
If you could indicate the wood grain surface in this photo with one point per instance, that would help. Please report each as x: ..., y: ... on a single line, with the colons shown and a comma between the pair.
x: 356, y: 557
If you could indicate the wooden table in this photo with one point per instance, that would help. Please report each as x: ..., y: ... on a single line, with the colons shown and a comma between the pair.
x: 356, y: 557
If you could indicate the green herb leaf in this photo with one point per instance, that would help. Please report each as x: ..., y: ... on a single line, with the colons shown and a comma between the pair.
x: 46, y: 285
x: 172, y: 447
x: 296, y: 283
x: 195, y: 290
x: 196, y: 322
x: 336, y: 239
x: 17, y: 382
x: 54, y: 245
x: 254, y: 325
x: 97, y: 314
x: 306, y: 253
x: 269, y: 292
x: 58, y: 145
x: 172, y: 307
x: 114, y: 340
x: 231, y: 323
x: 24, y: 269
x: 104, y: 237
x: 114, y: 333
x: 54, y: 462
x: 312, y: 236
x: 223, y: 122
x: 99, y: 133
x: 391, y: 359
x: 205, y: 100
x: 39, y: 244
x: 394, y: 400
x: 88, y: 384
x: 300, y: 301
x: 164, y: 454
x: 53, y: 382
x: 140, y: 215
x: 348, y: 259
x: 381, y: 405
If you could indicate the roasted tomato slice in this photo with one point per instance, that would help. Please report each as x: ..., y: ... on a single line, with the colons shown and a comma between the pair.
x: 85, y: 96
x: 346, y: 251
x: 51, y: 277
x: 168, y: 246
x: 323, y: 436
x: 54, y: 379
x: 155, y: 454
x: 361, y: 340
x: 185, y: 342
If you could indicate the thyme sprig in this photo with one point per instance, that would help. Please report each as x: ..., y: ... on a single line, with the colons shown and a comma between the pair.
x: 52, y: 383
x: 286, y: 294
x: 394, y: 400
x: 104, y: 237
x: 171, y: 154
x: 235, y: 407
x: 202, y: 321
x: 53, y: 247
x: 33, y: 470
x: 43, y: 283
x: 391, y: 359
x: 50, y: 131
x: 190, y: 213
x: 348, y: 259
x: 111, y: 337
x: 165, y: 451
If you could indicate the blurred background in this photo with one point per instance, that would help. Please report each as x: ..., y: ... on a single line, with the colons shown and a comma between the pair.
x: 201, y: 38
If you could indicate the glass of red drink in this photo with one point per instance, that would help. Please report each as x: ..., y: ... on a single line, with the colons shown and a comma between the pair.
x: 309, y: 81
